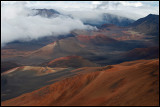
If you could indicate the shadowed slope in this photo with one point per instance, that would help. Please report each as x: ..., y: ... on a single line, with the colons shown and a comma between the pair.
x: 6, y: 65
x: 130, y: 83
x: 19, y: 80
x: 142, y: 53
x: 148, y: 24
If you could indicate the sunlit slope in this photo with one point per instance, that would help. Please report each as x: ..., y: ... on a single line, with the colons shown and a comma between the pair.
x: 129, y: 83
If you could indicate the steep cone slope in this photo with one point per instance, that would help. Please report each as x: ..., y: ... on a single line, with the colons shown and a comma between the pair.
x: 71, y: 61
x: 130, y: 83
x: 63, y: 47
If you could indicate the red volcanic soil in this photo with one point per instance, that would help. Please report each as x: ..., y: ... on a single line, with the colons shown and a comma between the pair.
x: 65, y: 58
x: 70, y: 61
x: 134, y: 83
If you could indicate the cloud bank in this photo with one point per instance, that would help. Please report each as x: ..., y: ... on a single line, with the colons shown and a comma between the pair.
x: 17, y: 24
x: 135, y: 9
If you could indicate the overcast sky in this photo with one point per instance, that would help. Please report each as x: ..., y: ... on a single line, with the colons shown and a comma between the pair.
x: 138, y: 9
x: 17, y: 25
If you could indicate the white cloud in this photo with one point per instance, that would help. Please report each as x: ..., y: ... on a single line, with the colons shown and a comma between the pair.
x: 133, y: 10
x: 132, y: 4
x: 17, y: 25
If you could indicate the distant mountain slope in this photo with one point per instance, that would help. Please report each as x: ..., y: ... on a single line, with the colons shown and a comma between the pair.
x: 132, y: 83
x: 147, y: 25
x: 81, y: 45
x: 99, y: 48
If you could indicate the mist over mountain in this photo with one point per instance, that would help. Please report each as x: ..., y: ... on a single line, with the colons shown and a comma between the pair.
x: 48, y: 13
x: 108, y: 18
x: 117, y: 20
x: 36, y: 18
x: 36, y: 22
x: 29, y: 26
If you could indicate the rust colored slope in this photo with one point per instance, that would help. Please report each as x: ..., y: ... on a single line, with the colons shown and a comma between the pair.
x: 71, y: 61
x: 135, y: 83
